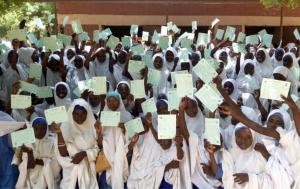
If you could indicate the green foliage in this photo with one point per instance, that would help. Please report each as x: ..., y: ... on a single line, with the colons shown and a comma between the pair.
x: 14, y: 11
x: 292, y: 4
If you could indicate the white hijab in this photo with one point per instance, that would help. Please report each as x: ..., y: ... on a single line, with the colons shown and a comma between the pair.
x: 170, y: 65
x: 162, y: 86
x: 52, y: 77
x: 66, y: 101
x: 83, y: 136
x: 235, y: 93
x: 265, y: 69
x: 195, y: 124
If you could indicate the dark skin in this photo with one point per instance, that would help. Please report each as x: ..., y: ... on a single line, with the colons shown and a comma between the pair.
x: 244, y: 140
x: 279, y: 55
x: 228, y: 87
x: 40, y: 131
x: 249, y: 69
x: 61, y: 91
x: 260, y: 56
x: 79, y: 116
x: 158, y: 63
x: 233, y: 109
x: 287, y: 61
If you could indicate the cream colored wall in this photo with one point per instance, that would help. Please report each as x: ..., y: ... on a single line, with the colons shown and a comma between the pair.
x: 179, y: 20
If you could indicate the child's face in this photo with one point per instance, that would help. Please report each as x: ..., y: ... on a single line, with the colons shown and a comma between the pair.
x: 240, y: 101
x: 192, y: 108
x: 199, y: 84
x: 70, y: 54
x: 40, y: 130
x: 288, y: 61
x: 123, y: 90
x: 61, y: 91
x: 79, y: 116
x: 162, y: 109
x: 275, y: 121
x: 220, y: 68
x: 113, y: 103
x: 101, y: 56
x: 228, y: 86
x: 35, y: 56
x: 260, y: 56
x: 169, y: 56
x: 243, y: 138
x: 223, y: 57
x: 158, y: 63
x: 78, y: 62
x: 94, y: 100
x: 122, y: 57
x: 249, y: 69
x: 279, y: 55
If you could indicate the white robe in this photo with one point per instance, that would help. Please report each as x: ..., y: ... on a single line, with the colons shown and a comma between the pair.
x: 79, y: 138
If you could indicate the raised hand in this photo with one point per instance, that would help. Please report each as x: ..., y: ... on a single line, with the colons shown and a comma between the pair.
x: 55, y: 128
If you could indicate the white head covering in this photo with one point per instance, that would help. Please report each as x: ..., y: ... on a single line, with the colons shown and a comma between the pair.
x: 282, y: 70
x: 25, y: 54
x: 66, y: 101
x: 163, y: 83
x: 235, y: 93
x: 265, y: 69
x: 195, y: 124
x: 83, y: 136
x: 249, y: 101
x: 170, y: 65
x: 285, y: 117
x: 295, y: 63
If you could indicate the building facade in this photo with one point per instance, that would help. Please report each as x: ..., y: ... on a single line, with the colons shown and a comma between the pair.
x: 248, y: 16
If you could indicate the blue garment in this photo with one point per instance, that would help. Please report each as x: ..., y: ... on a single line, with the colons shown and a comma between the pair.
x: 102, y: 181
x: 219, y: 173
x: 165, y: 185
x: 8, y: 173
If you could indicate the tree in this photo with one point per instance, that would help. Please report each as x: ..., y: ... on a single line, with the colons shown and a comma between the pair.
x: 291, y: 4
x: 14, y: 11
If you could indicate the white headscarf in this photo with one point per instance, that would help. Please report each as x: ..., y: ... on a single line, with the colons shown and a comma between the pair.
x: 249, y: 101
x: 52, y: 77
x: 83, y: 136
x: 286, y: 118
x: 66, y: 101
x: 170, y: 65
x: 195, y: 124
x: 235, y: 93
x: 162, y: 86
x: 265, y: 69
x: 25, y: 54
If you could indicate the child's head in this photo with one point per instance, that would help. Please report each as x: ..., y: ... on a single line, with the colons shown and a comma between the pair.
x: 280, y: 73
x: 79, y: 61
x: 61, y: 90
x: 123, y: 89
x: 79, y: 114
x: 279, y: 118
x: 249, y: 69
x: 195, y: 58
x: 192, y: 108
x: 260, y: 56
x: 169, y: 55
x: 158, y: 62
x: 122, y: 57
x: 101, y: 55
x: 12, y: 57
x: 229, y: 87
x: 40, y: 127
x: 54, y: 62
x: 243, y: 137
x: 94, y: 100
x: 287, y: 60
x: 162, y: 106
x: 70, y: 53
x: 35, y: 56
x: 223, y: 56
x: 113, y: 100
x: 220, y: 68
x: 279, y: 54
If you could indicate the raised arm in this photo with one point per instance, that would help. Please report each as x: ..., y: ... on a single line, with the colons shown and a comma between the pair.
x: 296, y: 113
x: 182, y: 124
x: 234, y: 110
x: 62, y: 148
